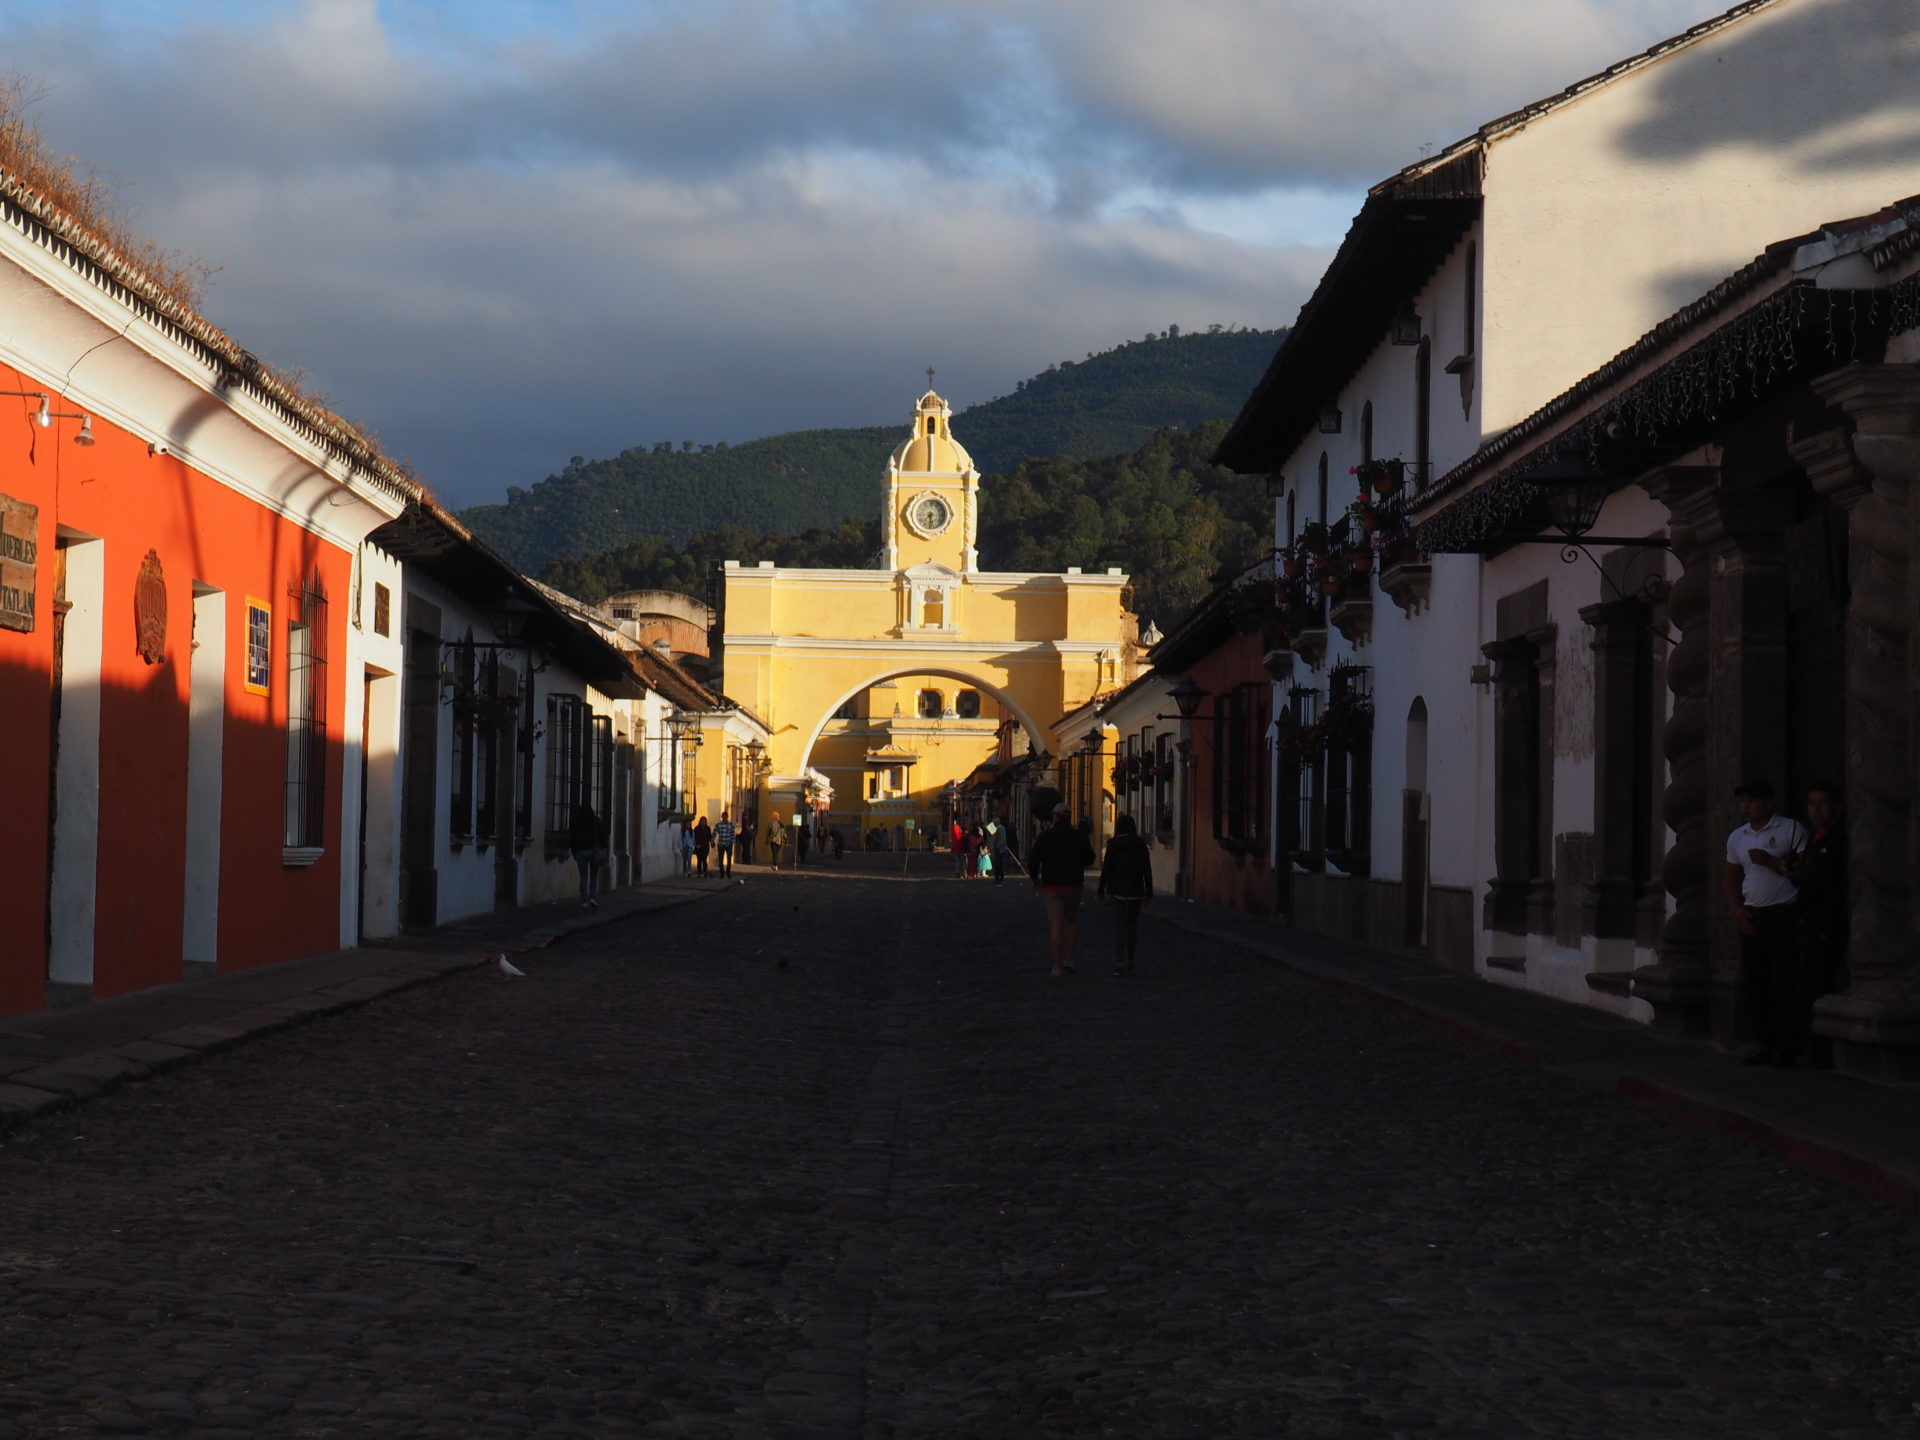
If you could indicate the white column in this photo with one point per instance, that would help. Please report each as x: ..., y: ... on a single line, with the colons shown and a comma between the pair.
x: 76, y: 830
x: 206, y: 736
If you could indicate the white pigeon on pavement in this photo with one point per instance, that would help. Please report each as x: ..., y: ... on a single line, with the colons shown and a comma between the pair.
x: 507, y: 967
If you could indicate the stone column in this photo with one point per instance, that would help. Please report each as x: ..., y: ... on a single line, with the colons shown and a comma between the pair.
x: 1619, y: 638
x: 1679, y: 984
x: 1745, y: 532
x: 1545, y: 640
x: 1516, y: 776
x: 1876, y: 1024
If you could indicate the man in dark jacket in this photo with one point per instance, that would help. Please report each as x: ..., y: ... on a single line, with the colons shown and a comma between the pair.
x: 1126, y: 878
x: 1058, y: 865
x: 1822, y: 872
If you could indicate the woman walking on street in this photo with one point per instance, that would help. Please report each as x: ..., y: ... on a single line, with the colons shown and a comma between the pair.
x: 775, y: 836
x: 588, y: 842
x: 1126, y: 878
x: 702, y: 843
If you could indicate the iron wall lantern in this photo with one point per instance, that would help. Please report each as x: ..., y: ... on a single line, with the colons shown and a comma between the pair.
x: 1186, y: 697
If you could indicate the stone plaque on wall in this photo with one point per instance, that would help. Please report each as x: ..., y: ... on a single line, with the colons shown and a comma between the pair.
x: 19, y: 556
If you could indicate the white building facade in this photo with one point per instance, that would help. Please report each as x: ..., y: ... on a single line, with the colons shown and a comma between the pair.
x: 1471, y: 290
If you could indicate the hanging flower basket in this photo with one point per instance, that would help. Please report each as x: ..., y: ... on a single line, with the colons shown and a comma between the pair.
x: 1363, y: 560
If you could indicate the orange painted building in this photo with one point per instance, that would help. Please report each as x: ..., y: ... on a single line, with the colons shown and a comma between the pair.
x: 179, y: 678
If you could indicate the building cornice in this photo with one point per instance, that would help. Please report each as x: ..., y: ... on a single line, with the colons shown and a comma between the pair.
x: 48, y: 244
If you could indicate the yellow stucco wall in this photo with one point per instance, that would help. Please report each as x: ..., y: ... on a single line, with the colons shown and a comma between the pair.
x: 798, y: 644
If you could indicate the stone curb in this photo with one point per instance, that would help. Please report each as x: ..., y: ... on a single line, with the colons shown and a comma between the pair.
x: 1464, y: 1027
x: 58, y: 1084
x: 1888, y: 1183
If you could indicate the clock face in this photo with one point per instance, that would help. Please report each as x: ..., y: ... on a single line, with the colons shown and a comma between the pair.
x: 928, y: 515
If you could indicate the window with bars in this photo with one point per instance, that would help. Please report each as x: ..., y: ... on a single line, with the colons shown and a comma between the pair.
x: 600, y: 765
x: 567, y: 757
x: 305, y: 809
x: 525, y: 743
x: 1304, y: 773
x: 460, y: 784
x: 1163, y: 785
x: 1349, y: 766
x: 493, y: 713
x: 1239, y: 765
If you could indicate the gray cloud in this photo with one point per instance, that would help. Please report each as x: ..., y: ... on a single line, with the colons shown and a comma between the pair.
x: 744, y: 216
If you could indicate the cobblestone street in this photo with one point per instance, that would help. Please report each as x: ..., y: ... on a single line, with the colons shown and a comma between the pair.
x: 909, y: 1186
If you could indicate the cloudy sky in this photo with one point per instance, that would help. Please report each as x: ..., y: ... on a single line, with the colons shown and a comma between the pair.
x: 505, y: 232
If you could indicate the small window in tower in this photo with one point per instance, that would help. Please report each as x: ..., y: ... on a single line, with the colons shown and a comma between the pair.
x: 933, y: 610
x: 967, y: 704
x: 930, y: 426
x: 932, y: 703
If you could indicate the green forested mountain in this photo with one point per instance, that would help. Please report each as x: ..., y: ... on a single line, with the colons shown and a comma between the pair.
x: 1105, y: 405
x: 1161, y: 512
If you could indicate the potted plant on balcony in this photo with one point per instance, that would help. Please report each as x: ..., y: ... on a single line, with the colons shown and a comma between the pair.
x: 1382, y: 477
x: 1315, y: 539
x: 1347, y: 721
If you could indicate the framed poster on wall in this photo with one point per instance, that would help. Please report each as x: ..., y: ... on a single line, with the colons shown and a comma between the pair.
x: 259, y: 673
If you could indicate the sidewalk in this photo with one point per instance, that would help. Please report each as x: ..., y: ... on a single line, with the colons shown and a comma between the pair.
x: 1845, y: 1130
x: 53, y: 1058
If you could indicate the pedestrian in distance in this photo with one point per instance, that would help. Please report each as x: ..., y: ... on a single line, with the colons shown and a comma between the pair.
x: 776, y: 836
x: 702, y: 843
x: 1000, y: 850
x: 957, y: 843
x: 748, y: 829
x: 802, y: 835
x: 723, y: 838
x: 1821, y: 873
x: 838, y: 842
x: 1126, y: 878
x: 587, y: 839
x: 1758, y: 883
x: 1058, y: 863
x: 686, y: 850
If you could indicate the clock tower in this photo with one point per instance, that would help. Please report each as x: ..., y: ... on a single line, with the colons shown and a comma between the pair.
x: 931, y: 500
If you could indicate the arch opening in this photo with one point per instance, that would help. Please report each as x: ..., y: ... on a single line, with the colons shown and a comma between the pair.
x: 1035, y: 734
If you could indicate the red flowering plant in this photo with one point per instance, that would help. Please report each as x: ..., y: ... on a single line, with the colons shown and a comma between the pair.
x: 1397, y: 546
x: 1298, y: 743
x: 1347, y: 721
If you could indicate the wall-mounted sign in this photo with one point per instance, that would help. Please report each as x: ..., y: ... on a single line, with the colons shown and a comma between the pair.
x: 19, y: 555
x: 150, y: 610
x: 259, y: 677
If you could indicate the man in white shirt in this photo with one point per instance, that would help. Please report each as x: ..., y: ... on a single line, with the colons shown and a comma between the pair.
x: 1765, y: 900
